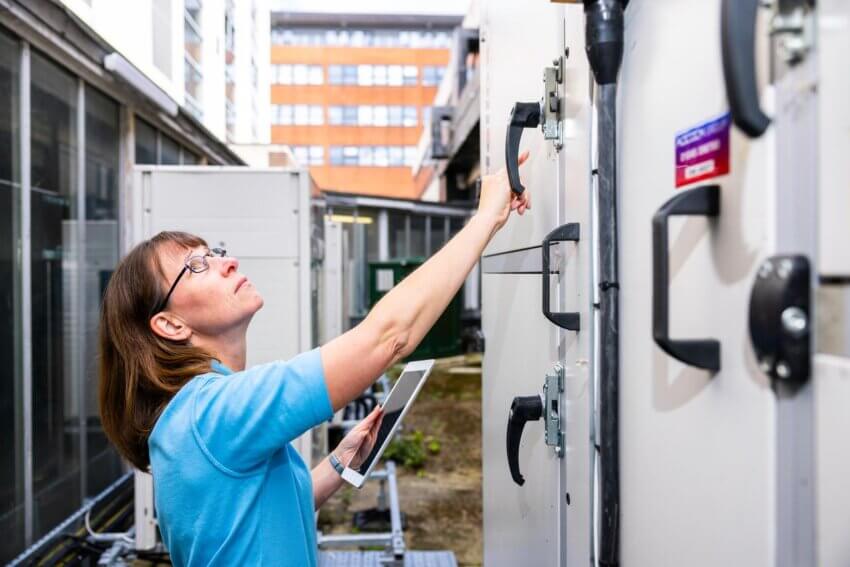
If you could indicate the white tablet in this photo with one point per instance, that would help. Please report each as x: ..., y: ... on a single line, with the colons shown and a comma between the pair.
x: 395, y: 407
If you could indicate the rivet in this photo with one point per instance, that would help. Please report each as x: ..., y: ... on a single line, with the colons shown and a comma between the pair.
x: 782, y: 369
x: 794, y: 321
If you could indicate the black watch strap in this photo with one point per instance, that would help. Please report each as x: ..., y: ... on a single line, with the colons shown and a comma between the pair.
x: 336, y: 464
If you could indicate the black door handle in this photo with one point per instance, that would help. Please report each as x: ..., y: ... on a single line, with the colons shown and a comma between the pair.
x: 523, y: 115
x: 567, y: 232
x: 737, y: 40
x: 702, y: 353
x: 523, y: 408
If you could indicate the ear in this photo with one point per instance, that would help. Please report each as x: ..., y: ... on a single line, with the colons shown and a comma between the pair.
x: 171, y: 327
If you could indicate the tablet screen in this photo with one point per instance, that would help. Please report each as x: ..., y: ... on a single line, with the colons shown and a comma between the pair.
x: 394, y: 405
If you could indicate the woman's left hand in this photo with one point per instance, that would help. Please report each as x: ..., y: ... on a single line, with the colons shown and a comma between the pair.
x: 356, y: 446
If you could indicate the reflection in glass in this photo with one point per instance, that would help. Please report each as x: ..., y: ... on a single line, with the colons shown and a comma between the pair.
x: 101, y: 256
x: 401, y: 393
x: 145, y: 143
x: 11, y: 464
x: 438, y: 236
x: 397, y: 235
x: 417, y: 235
x: 169, y: 151
x: 55, y: 401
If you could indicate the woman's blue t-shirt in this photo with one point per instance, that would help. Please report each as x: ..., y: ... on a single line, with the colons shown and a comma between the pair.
x: 228, y: 486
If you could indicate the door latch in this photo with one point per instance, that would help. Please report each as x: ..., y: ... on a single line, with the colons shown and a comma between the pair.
x: 546, y: 113
x: 551, y: 104
x: 552, y: 390
x: 532, y: 408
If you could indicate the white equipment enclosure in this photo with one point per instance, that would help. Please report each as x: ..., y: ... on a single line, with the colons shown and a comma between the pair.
x: 260, y: 216
x: 667, y: 329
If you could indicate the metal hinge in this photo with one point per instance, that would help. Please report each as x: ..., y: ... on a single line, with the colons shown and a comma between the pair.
x: 552, y: 409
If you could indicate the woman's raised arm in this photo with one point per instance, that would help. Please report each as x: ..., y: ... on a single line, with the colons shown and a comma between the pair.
x: 402, y: 318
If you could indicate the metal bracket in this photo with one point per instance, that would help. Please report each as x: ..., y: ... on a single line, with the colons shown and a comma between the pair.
x: 551, y: 103
x: 552, y: 389
x: 793, y: 26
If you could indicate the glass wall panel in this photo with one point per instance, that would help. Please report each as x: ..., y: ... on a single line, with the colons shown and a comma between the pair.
x: 101, y: 256
x: 145, y: 143
x: 169, y: 151
x: 55, y: 422
x: 438, y: 236
x: 417, y: 235
x: 455, y: 224
x: 11, y: 462
x: 397, y: 234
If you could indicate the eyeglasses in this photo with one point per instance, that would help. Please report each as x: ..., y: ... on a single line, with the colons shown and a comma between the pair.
x: 195, y: 264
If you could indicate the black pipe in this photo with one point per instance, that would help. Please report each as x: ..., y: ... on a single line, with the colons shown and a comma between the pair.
x: 604, y: 46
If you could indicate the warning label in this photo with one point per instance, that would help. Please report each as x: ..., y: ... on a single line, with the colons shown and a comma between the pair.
x: 702, y: 152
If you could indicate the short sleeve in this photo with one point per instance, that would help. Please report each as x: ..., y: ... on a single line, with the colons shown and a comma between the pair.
x: 243, y: 418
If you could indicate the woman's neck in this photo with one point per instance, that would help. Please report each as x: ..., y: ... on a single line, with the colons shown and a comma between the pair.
x: 230, y: 349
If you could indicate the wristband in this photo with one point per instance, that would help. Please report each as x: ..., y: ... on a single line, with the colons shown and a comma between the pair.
x: 336, y: 464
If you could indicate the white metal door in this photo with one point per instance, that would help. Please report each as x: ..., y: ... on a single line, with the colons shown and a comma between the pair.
x: 711, y: 472
x: 546, y: 520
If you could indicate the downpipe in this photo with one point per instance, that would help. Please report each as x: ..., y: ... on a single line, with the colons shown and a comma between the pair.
x: 604, y: 47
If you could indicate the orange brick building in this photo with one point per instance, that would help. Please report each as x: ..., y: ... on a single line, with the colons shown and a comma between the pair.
x: 351, y: 93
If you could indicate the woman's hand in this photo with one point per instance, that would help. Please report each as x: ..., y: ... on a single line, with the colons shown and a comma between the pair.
x: 357, y: 445
x: 497, y: 200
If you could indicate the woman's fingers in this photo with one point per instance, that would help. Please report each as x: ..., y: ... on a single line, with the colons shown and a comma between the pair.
x: 523, y: 156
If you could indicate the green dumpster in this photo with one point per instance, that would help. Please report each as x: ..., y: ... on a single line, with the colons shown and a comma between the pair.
x: 444, y: 337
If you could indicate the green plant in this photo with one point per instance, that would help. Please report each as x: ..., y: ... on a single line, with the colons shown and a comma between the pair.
x: 433, y: 445
x: 408, y: 450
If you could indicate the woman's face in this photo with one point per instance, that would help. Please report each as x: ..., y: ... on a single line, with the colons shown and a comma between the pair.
x: 214, y: 301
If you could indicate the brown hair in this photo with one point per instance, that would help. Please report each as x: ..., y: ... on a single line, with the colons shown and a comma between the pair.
x: 139, y: 370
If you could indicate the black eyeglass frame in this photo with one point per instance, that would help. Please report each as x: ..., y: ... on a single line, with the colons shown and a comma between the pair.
x: 211, y: 253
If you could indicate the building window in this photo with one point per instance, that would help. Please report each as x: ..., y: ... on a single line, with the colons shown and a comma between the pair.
x: 298, y: 74
x: 379, y: 115
x: 410, y: 117
x: 432, y: 75
x: 298, y: 115
x: 411, y: 75
x: 377, y: 156
x: 309, y: 155
x: 169, y: 151
x: 373, y: 75
x: 155, y: 148
x: 348, y: 37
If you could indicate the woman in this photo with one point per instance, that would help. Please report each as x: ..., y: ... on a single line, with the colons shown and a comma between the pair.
x: 175, y: 396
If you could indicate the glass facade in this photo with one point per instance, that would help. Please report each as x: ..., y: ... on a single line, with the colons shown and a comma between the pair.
x: 55, y: 342
x: 11, y: 435
x: 102, y: 252
x: 69, y: 197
